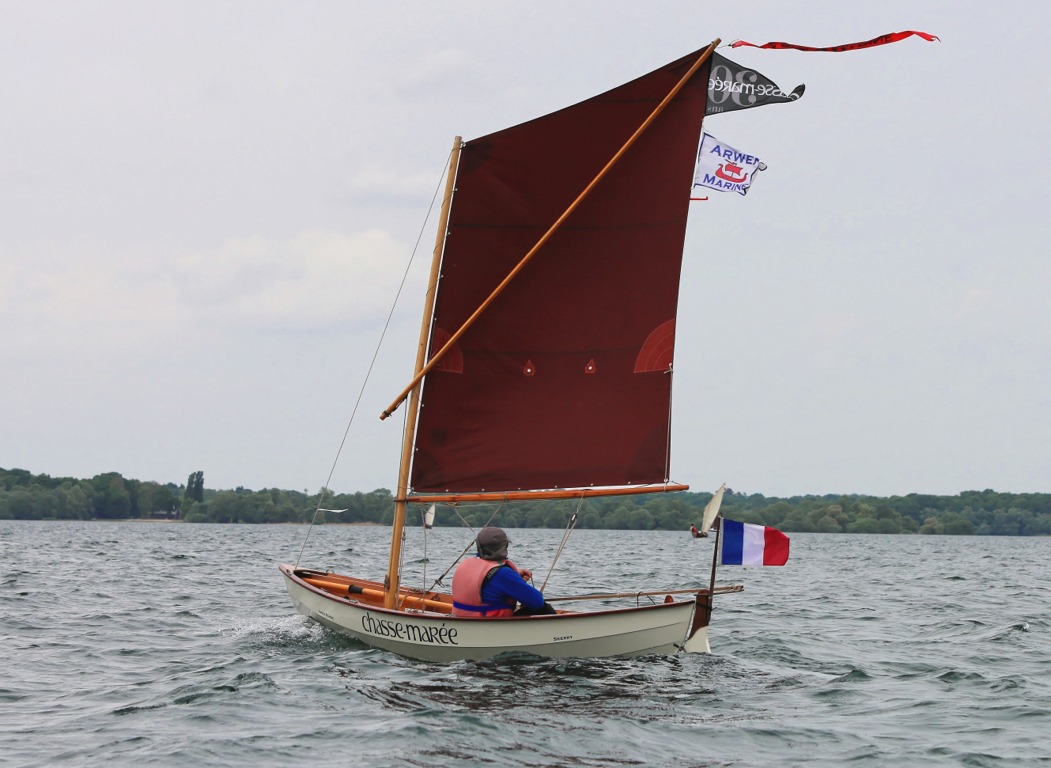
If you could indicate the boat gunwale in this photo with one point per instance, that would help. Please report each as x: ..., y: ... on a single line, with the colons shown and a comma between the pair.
x: 290, y: 572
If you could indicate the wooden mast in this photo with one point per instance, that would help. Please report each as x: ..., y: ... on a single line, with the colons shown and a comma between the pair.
x: 391, y: 582
x: 705, y: 55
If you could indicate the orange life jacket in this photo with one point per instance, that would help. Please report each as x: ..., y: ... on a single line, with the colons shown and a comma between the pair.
x: 467, y: 589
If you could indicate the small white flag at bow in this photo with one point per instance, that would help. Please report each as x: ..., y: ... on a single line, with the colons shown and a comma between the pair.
x: 721, y: 167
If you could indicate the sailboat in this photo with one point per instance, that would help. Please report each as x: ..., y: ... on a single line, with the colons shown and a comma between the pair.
x: 544, y: 365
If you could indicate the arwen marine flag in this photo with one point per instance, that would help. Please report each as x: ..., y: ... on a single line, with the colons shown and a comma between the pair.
x: 721, y: 167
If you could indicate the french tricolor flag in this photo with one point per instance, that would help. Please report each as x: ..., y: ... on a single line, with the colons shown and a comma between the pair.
x: 746, y: 544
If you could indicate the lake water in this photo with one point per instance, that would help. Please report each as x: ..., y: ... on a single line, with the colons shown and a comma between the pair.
x: 175, y: 644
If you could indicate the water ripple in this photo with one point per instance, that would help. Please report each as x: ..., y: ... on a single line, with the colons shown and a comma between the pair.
x: 174, y: 644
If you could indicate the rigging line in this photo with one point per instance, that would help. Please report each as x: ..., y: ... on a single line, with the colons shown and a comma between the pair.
x: 667, y: 435
x: 459, y: 557
x: 565, y: 539
x: 614, y: 595
x: 423, y: 519
x: 372, y: 362
x: 398, y: 601
x: 438, y: 581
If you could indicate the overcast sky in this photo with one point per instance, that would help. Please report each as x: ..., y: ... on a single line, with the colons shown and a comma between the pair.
x: 206, y: 209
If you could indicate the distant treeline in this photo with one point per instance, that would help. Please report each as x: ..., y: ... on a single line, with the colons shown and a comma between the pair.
x: 110, y: 496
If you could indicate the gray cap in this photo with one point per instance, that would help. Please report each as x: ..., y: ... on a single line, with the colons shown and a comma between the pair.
x: 492, y: 543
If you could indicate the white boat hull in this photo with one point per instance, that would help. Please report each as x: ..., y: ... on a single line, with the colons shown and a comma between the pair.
x: 663, y: 628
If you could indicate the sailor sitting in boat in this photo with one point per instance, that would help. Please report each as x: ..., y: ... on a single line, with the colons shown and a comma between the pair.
x: 490, y: 585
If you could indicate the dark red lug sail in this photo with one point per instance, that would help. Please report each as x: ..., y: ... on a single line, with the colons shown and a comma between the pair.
x: 565, y: 379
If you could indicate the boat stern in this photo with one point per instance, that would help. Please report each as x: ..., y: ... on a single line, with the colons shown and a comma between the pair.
x: 697, y: 642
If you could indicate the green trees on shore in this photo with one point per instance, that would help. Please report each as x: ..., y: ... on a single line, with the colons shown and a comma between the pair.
x: 109, y: 496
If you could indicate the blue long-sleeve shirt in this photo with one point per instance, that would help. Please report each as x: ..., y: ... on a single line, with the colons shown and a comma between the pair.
x: 506, y: 585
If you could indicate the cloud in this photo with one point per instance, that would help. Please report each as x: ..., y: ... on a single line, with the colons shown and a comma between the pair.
x: 65, y: 301
x: 432, y: 70
x: 375, y: 185
x: 89, y: 302
x: 319, y: 279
